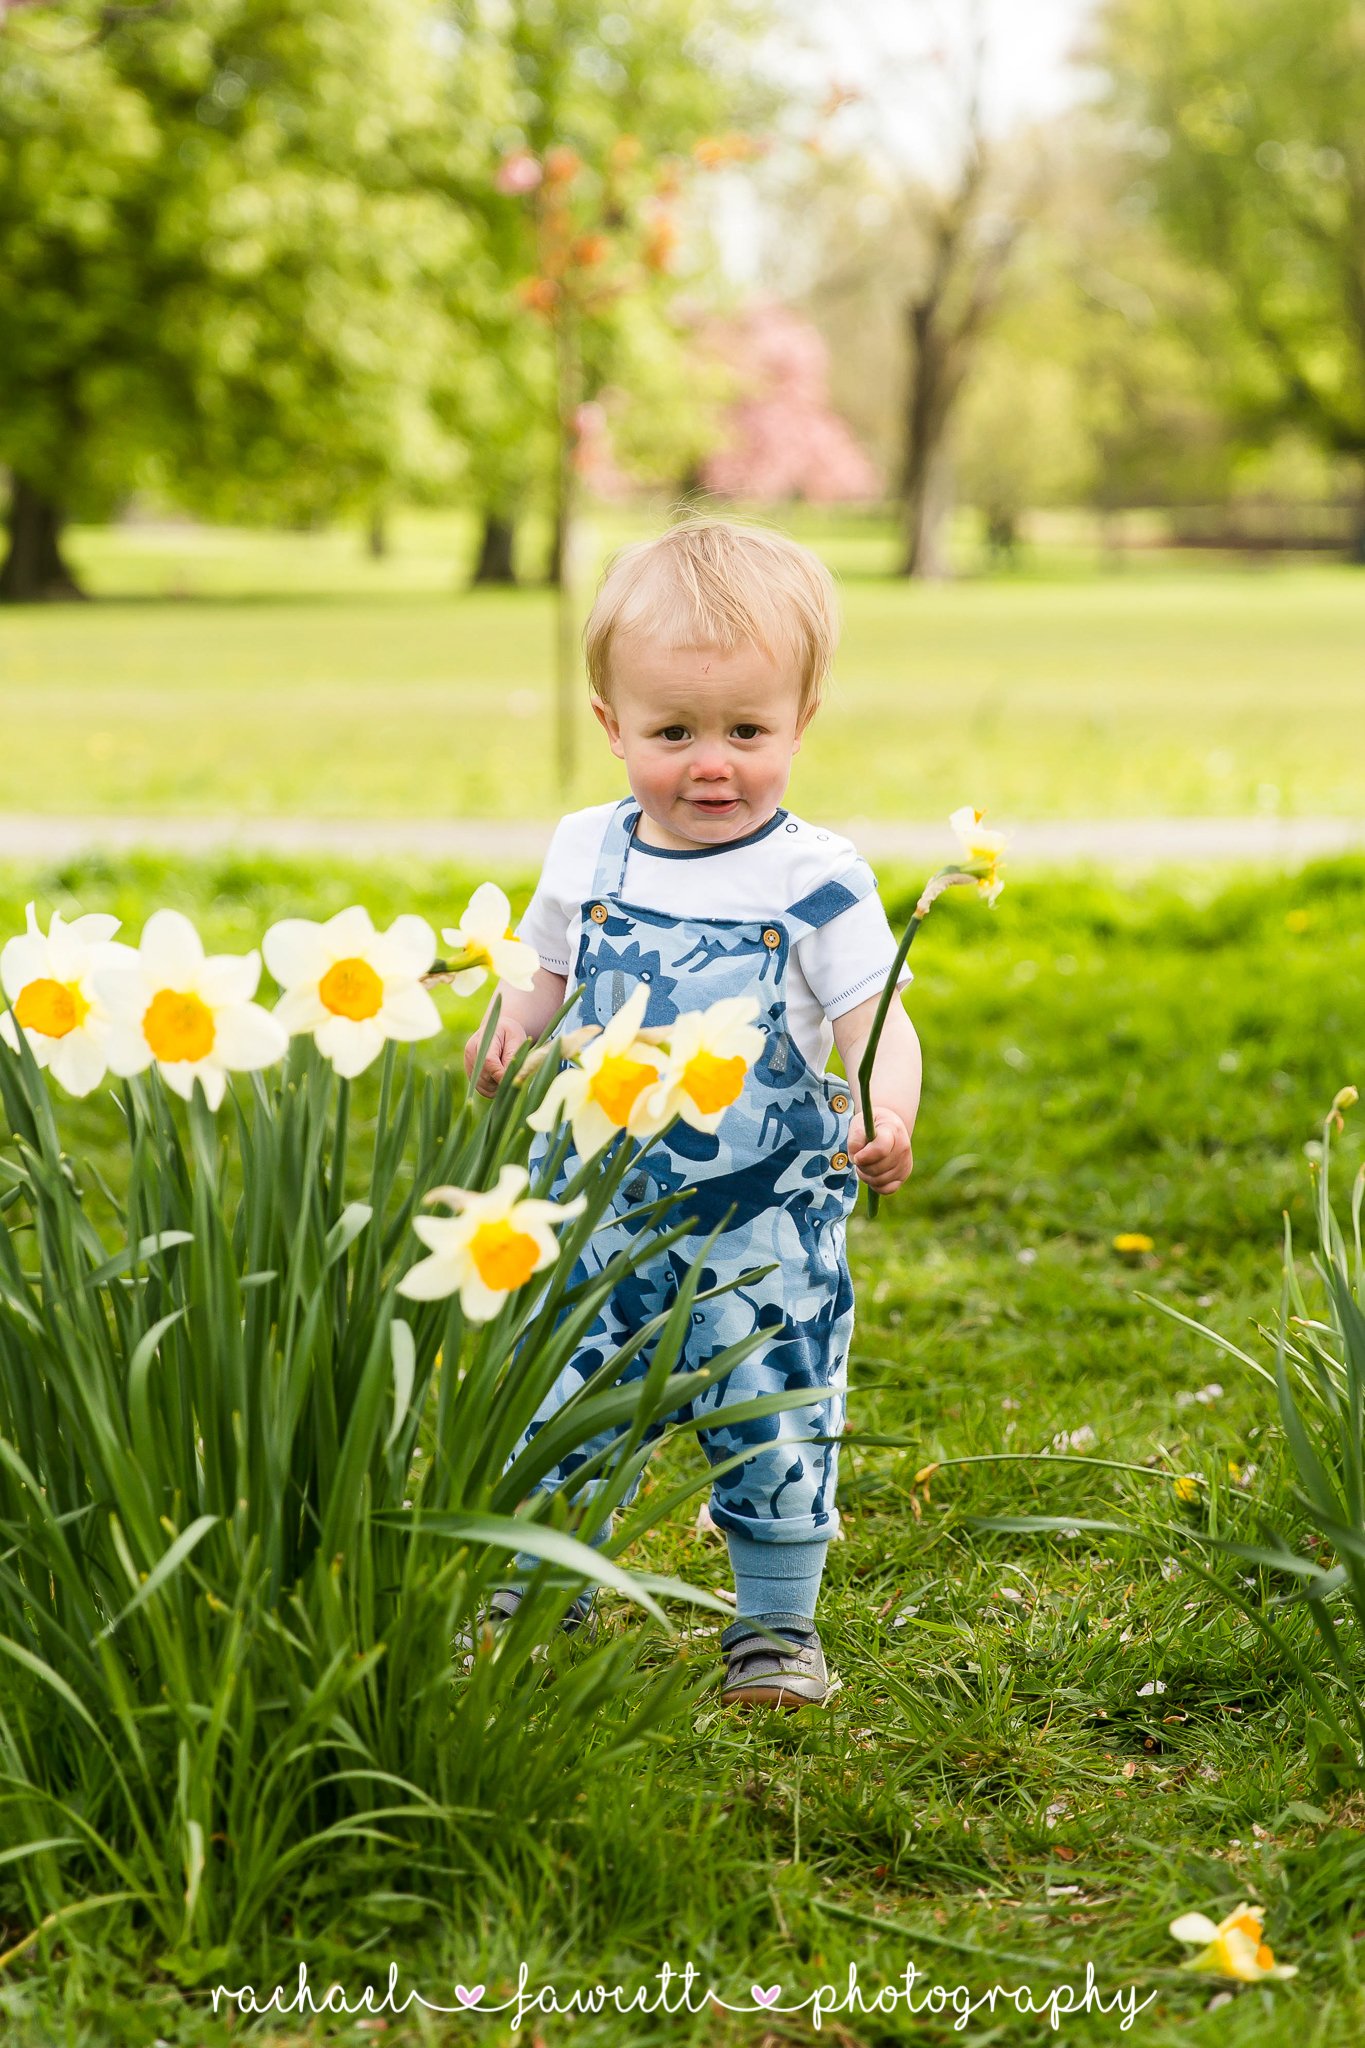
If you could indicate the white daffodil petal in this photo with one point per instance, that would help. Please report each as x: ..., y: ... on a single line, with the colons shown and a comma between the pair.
x: 515, y: 962
x: 410, y: 943
x: 409, y: 1013
x: 78, y: 1063
x: 23, y: 960
x: 229, y: 978
x: 94, y: 928
x: 248, y: 1038
x: 430, y: 1279
x: 296, y: 951
x: 301, y: 1009
x: 348, y: 933
x: 350, y: 1044
x: 479, y: 1302
x: 171, y: 950
x: 468, y: 980
x: 126, y: 1050
x: 436, y: 1233
x: 488, y: 915
x: 1194, y: 1927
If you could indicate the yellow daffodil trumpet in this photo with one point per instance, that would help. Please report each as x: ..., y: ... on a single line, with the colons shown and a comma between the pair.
x: 982, y: 847
x: 1235, y: 1947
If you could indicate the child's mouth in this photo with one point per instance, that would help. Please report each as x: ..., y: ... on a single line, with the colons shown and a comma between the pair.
x: 715, y: 806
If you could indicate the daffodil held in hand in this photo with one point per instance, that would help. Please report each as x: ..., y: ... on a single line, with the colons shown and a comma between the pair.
x: 493, y: 1245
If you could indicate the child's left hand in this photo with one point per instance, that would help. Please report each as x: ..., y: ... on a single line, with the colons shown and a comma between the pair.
x: 887, y: 1161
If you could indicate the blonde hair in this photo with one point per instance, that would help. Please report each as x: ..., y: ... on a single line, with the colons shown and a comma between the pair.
x: 716, y: 583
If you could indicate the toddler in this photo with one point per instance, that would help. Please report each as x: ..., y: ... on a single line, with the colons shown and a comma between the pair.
x: 707, y: 652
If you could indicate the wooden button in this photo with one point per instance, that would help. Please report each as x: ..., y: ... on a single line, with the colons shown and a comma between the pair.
x: 772, y: 939
x: 839, y: 1102
x: 598, y: 913
x: 839, y: 1161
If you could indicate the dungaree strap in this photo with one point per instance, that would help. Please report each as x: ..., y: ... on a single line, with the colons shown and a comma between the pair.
x: 829, y: 899
x: 609, y: 878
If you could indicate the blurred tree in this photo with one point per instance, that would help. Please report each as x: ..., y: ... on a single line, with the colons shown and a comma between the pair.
x: 923, y: 252
x: 1247, y: 125
x: 592, y: 119
x: 218, y: 272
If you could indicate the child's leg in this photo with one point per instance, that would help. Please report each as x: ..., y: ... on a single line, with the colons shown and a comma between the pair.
x: 776, y: 1578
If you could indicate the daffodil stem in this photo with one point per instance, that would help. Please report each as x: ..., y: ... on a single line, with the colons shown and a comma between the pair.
x: 869, y: 1057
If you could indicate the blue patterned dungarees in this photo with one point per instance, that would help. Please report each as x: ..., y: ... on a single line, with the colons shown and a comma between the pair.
x: 779, y: 1160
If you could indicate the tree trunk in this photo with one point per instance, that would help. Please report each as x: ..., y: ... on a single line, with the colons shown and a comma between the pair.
x: 926, y: 485
x: 377, y: 534
x: 34, y: 572
x: 495, y: 564
x: 1357, y: 554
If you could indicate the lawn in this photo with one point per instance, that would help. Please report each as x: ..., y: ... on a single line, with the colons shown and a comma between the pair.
x: 230, y: 672
x: 1000, y: 1791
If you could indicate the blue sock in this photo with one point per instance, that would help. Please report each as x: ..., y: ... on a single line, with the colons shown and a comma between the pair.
x: 776, y: 1578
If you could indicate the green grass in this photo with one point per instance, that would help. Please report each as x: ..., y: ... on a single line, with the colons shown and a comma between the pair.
x: 1096, y: 1060
x: 288, y: 673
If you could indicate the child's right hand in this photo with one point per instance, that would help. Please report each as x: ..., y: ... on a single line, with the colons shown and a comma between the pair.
x: 507, y: 1036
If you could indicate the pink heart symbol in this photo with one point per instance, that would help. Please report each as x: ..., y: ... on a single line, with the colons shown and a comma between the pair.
x: 768, y: 1997
x: 467, y: 1997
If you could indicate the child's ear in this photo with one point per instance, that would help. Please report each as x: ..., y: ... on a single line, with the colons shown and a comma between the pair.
x: 802, y: 722
x: 610, y: 725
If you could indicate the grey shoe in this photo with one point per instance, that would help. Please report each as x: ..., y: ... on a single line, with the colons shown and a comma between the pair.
x: 503, y: 1604
x: 759, y: 1674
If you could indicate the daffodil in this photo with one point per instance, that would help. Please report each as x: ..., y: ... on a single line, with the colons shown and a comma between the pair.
x: 489, y: 1248
x: 351, y: 986
x: 50, y: 981
x: 611, y: 1085
x: 484, y: 943
x: 1234, y: 1948
x: 982, y: 847
x: 190, y: 1013
x: 709, y: 1054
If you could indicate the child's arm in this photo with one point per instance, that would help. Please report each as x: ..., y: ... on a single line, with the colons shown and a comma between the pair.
x: 524, y: 1014
x: 886, y: 1161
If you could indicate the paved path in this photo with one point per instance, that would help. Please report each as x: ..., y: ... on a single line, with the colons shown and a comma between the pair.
x: 517, y: 844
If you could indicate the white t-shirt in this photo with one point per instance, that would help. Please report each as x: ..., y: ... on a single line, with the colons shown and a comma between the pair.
x: 830, y: 970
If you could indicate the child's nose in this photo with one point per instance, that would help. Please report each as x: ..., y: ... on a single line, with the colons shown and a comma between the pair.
x: 710, y: 763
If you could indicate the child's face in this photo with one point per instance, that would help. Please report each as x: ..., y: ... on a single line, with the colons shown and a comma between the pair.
x: 707, y: 738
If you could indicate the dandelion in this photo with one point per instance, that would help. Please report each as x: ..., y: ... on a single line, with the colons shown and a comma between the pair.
x: 709, y: 1055
x: 351, y: 987
x: 1235, y: 1948
x: 610, y: 1087
x: 1133, y: 1243
x: 50, y: 981
x: 492, y: 1246
x: 1186, y: 1489
x: 190, y: 1013
x: 486, y: 944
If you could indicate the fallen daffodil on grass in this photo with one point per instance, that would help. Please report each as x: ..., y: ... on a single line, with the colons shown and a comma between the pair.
x: 189, y: 1012
x: 1234, y: 1948
x: 609, y: 1087
x: 484, y: 943
x: 353, y: 988
x: 709, y: 1054
x: 982, y: 847
x: 492, y: 1246
x: 49, y: 978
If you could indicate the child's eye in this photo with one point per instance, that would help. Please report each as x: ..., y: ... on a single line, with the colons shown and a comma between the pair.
x: 747, y: 732
x: 674, y: 732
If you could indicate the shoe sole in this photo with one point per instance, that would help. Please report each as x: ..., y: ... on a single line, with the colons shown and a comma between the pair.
x: 777, y: 1695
